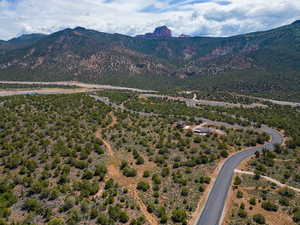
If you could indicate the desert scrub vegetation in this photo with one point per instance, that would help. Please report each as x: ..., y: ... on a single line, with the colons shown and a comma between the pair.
x: 53, y: 168
x: 283, y: 118
x: 117, y: 97
x: 170, y: 167
x: 283, y: 164
x: 262, y: 202
x: 32, y: 86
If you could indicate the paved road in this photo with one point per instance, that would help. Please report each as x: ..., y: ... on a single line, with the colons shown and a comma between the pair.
x: 77, y: 84
x: 213, y: 210
x: 277, y: 102
x: 194, y: 102
x: 47, y: 91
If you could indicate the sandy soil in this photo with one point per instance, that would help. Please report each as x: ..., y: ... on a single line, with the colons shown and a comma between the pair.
x: 77, y: 84
x: 278, y: 183
x: 44, y: 91
x: 114, y: 172
x: 272, y: 218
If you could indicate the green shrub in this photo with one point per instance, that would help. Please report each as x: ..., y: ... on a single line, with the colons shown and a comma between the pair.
x: 252, y: 201
x: 237, y: 180
x: 179, y: 216
x: 296, y: 215
x: 56, y: 221
x: 143, y: 186
x: 239, y: 194
x: 32, y: 205
x: 184, y: 192
x: 269, y: 206
x: 242, y: 213
x: 146, y: 174
x: 259, y: 218
x: 129, y: 172
x: 286, y: 192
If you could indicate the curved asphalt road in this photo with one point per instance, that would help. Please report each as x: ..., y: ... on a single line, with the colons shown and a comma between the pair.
x: 213, y: 210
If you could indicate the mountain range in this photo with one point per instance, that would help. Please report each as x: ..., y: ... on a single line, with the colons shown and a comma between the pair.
x: 265, y: 61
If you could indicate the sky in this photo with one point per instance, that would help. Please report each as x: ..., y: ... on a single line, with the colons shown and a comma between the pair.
x: 132, y: 17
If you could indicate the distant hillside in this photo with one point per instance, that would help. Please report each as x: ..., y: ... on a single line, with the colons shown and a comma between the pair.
x: 257, y: 62
x: 23, y: 41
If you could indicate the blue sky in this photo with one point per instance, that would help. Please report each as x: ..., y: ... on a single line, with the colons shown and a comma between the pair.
x: 131, y: 17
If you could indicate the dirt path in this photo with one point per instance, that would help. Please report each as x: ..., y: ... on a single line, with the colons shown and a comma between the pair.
x: 278, y: 183
x: 106, y: 143
x: 108, y: 147
x: 149, y: 217
x: 114, y: 172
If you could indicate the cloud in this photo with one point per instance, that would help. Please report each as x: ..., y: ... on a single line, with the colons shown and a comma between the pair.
x: 196, y: 17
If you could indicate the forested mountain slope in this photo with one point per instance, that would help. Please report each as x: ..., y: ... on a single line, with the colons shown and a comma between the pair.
x: 256, y: 62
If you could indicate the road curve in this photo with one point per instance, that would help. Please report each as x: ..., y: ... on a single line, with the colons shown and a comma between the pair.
x: 214, y: 207
x: 213, y: 210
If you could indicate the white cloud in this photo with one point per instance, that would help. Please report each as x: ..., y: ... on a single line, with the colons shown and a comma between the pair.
x: 210, y: 17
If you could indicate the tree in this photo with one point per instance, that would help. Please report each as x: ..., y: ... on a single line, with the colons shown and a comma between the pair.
x: 100, y: 171
x: 184, y: 192
x: 259, y: 218
x: 179, y: 216
x: 239, y: 194
x: 143, y: 186
x: 269, y: 206
x: 103, y: 220
x: 140, y: 160
x: 296, y: 215
x: 252, y: 201
x: 32, y: 205
x: 129, y: 172
x: 284, y: 201
x: 237, y: 180
x: 242, y: 213
x: 224, y: 154
x: 150, y: 208
x: 286, y: 192
x: 87, y: 174
x: 201, y: 188
x: 68, y: 204
x: 165, y: 172
x: 146, y: 174
x: 56, y: 221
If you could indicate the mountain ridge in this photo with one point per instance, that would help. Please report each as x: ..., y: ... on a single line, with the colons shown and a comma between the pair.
x: 160, y: 60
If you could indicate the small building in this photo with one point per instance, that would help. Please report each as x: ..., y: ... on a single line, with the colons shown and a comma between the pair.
x: 203, y: 130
